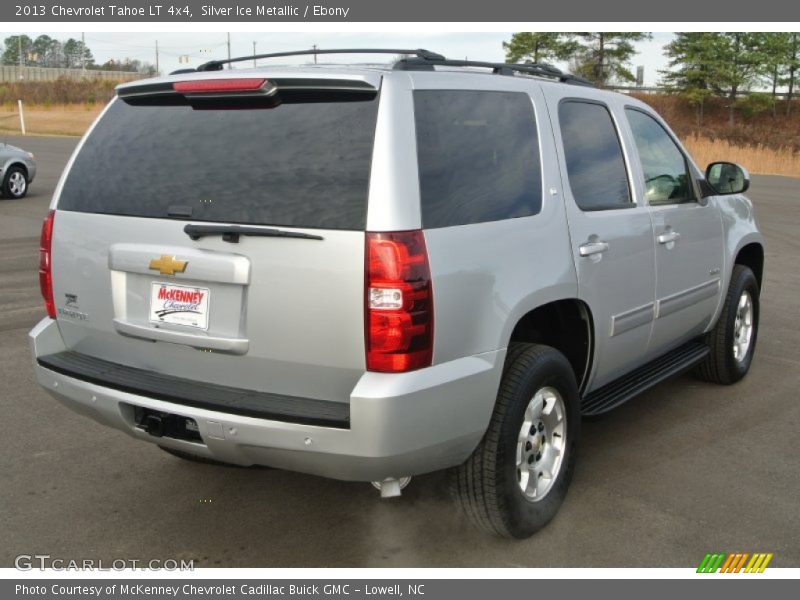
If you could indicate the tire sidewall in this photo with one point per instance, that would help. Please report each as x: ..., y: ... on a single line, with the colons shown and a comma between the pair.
x: 525, y: 516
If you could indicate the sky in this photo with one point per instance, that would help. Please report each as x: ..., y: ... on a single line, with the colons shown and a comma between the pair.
x: 203, y: 46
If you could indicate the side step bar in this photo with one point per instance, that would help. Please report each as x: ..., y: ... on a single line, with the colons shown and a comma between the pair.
x: 634, y: 383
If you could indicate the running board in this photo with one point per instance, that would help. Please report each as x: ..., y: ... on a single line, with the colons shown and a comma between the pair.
x: 634, y: 383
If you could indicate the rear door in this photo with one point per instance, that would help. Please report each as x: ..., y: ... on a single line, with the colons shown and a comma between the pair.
x: 150, y: 270
x: 611, y: 233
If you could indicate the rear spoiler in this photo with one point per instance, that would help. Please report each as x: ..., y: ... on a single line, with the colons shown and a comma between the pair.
x: 245, y: 92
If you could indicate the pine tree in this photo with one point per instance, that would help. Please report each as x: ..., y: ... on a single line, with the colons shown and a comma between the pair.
x: 604, y: 56
x: 77, y: 54
x: 741, y: 62
x: 539, y: 47
x: 792, y: 67
x: 694, y: 67
x: 715, y: 63
x: 13, y: 45
x: 775, y: 49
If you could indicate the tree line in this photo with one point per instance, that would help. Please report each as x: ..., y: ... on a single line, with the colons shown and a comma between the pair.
x: 45, y: 51
x: 701, y: 64
x: 723, y: 64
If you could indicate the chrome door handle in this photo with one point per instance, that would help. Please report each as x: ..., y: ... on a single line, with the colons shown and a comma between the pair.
x: 668, y: 236
x: 590, y: 248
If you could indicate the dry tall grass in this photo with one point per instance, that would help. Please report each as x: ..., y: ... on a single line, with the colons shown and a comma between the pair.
x: 756, y: 159
x: 764, y: 128
x: 62, y: 119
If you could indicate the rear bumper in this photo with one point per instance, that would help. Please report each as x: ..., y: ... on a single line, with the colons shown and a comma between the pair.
x: 400, y: 424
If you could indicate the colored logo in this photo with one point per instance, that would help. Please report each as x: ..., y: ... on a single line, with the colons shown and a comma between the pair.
x: 168, y: 265
x: 737, y: 562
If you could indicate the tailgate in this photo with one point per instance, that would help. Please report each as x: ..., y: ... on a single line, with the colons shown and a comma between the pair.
x: 277, y: 308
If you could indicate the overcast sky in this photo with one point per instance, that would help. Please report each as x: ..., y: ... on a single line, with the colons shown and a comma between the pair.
x: 201, y: 47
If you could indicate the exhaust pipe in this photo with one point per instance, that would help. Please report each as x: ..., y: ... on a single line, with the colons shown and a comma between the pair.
x: 391, y: 487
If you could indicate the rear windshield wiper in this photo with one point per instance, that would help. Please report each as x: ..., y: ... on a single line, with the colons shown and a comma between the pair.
x: 231, y: 233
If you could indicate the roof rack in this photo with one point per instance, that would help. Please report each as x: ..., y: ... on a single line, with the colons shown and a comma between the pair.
x: 538, y: 69
x: 413, y: 60
x: 216, y: 65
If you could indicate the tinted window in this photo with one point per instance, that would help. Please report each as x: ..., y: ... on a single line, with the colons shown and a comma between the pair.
x: 665, y: 169
x: 478, y: 156
x: 304, y: 165
x: 595, y: 165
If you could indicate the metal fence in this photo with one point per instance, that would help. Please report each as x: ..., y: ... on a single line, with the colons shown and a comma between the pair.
x: 17, y: 73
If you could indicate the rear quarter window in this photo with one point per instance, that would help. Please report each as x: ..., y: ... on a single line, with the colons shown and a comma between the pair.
x: 300, y: 164
x: 478, y: 156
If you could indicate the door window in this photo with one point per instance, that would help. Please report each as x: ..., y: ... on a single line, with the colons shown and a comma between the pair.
x: 595, y: 163
x: 666, y: 172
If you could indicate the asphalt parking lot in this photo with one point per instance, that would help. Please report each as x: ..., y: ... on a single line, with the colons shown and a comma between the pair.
x: 686, y: 469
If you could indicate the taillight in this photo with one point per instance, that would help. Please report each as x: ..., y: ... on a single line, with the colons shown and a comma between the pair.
x: 399, y: 302
x: 217, y: 86
x: 46, y: 263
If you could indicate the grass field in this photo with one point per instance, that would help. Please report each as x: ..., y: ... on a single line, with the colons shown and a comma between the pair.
x: 779, y: 154
x: 756, y: 159
x: 57, y: 119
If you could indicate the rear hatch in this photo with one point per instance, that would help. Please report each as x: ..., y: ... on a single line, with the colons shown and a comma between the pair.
x: 216, y: 233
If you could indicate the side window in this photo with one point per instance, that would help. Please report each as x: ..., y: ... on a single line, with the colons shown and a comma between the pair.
x: 595, y: 164
x: 478, y: 155
x: 666, y: 172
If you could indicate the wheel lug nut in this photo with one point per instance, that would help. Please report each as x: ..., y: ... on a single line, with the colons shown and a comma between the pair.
x: 539, y: 456
x: 530, y: 459
x: 533, y: 429
x: 528, y: 446
x: 541, y: 426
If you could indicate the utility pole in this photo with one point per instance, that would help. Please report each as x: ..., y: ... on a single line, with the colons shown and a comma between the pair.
x: 254, y: 55
x: 157, y: 70
x: 83, y: 52
x: 229, y: 50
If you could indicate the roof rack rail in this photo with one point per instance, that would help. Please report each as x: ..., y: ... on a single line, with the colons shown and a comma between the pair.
x: 421, y: 53
x: 414, y: 60
x: 421, y: 63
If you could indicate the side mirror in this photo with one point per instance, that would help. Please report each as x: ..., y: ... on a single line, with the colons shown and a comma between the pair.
x: 727, y: 178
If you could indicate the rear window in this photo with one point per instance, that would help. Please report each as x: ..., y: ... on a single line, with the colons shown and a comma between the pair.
x: 478, y: 155
x: 301, y: 165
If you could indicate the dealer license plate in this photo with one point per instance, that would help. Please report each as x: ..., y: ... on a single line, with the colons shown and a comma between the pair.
x: 179, y: 305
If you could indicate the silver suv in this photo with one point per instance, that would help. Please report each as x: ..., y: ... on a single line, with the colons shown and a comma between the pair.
x: 372, y: 272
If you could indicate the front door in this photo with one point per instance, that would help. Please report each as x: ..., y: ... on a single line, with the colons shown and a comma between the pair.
x: 688, y: 236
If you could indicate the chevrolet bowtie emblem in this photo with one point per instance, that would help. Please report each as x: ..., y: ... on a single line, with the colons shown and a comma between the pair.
x: 168, y: 265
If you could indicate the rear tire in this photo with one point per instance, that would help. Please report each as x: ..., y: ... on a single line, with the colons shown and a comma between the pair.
x: 733, y: 339
x: 488, y: 487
